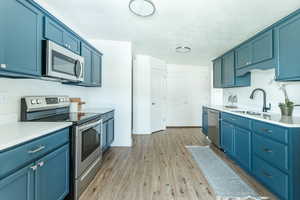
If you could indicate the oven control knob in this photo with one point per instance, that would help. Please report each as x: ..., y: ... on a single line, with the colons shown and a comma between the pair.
x: 38, y: 101
x: 33, y: 101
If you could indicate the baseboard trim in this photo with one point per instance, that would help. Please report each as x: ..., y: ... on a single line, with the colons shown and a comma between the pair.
x: 184, y: 126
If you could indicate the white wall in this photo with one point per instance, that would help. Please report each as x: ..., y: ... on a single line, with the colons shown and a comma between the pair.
x: 142, y: 92
x: 142, y: 95
x: 11, y: 91
x: 188, y: 89
x: 117, y: 86
x: 264, y: 79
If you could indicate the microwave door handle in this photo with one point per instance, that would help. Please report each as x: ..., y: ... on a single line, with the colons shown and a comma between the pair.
x: 81, y: 69
x: 88, y: 126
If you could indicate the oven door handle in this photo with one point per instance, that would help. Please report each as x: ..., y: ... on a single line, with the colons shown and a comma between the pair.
x: 88, y: 126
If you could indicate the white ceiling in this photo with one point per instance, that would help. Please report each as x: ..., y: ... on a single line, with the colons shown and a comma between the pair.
x: 209, y: 27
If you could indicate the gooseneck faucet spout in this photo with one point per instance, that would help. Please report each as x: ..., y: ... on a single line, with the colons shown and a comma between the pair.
x: 265, y: 108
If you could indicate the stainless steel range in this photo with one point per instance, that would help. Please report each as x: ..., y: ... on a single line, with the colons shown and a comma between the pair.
x: 86, y: 153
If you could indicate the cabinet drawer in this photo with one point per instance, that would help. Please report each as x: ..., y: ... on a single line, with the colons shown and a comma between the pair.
x: 273, y: 152
x: 272, y: 131
x: 19, y: 156
x: 107, y: 116
x: 276, y: 180
x: 239, y: 121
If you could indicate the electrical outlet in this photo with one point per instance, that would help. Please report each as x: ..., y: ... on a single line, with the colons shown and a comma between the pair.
x: 3, y: 99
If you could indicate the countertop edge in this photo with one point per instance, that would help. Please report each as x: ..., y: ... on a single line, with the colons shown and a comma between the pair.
x: 254, y: 118
x: 30, y: 138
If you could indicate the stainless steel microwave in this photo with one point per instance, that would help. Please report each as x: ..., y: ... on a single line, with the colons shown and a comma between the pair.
x: 61, y: 63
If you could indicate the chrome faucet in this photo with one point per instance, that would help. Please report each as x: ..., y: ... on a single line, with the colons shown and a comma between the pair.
x: 265, y: 108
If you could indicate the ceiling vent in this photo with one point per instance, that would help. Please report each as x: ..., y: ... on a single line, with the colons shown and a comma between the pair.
x: 142, y: 8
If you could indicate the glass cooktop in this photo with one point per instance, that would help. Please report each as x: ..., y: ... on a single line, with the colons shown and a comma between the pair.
x: 69, y: 117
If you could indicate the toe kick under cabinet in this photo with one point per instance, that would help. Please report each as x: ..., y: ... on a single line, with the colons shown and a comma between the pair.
x: 268, y: 152
x: 37, y: 170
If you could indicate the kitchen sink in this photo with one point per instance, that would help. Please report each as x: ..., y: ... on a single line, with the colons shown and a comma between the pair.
x: 247, y: 112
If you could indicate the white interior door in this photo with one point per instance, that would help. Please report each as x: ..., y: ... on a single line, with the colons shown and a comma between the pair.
x: 158, y: 98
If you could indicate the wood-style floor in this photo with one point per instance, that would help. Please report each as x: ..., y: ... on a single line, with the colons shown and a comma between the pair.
x: 157, y: 167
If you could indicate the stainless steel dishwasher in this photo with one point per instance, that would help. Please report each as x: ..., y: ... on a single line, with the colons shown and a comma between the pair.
x: 213, y: 127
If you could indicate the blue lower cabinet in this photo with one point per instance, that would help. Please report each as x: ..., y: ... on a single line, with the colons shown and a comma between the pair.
x: 104, y: 136
x: 110, y: 132
x: 204, y: 120
x: 52, y: 175
x: 242, y: 147
x: 46, y: 172
x: 19, y: 185
x: 273, y: 178
x: 227, y: 137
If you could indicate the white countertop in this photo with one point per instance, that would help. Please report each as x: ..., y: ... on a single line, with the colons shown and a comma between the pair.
x: 273, y: 118
x: 14, y: 133
x: 98, y: 110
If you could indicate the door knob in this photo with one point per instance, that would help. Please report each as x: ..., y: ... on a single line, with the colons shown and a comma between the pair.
x: 153, y: 104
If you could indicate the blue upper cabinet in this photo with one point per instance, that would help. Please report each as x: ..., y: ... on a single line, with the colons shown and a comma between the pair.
x: 287, y: 41
x: 87, y: 53
x: 19, y: 185
x: 258, y: 50
x: 224, y: 73
x: 217, y: 73
x: 97, y: 69
x: 57, y: 33
x: 262, y: 47
x: 243, y: 56
x: 21, y: 38
x: 228, y: 70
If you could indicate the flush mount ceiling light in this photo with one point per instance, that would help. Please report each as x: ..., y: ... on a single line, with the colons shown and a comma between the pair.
x: 183, y: 49
x: 142, y: 8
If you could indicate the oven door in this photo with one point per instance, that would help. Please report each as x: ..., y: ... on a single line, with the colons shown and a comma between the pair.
x: 63, y: 64
x: 88, y: 145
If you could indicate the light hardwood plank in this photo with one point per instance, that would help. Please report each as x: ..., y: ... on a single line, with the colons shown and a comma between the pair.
x: 158, y: 167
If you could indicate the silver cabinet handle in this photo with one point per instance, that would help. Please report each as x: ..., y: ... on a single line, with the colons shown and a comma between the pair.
x: 266, y: 130
x: 267, y: 174
x: 3, y: 66
x: 33, y: 168
x: 267, y: 150
x: 36, y: 150
x: 41, y: 164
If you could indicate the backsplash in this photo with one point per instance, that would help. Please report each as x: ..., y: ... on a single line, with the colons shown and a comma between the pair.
x: 12, y: 90
x: 264, y: 80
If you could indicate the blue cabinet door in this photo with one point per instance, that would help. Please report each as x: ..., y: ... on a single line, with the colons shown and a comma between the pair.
x: 262, y: 47
x: 217, y: 73
x: 205, y: 121
x: 243, y: 56
x: 104, y: 135
x: 287, y: 41
x: 110, y: 132
x: 228, y: 70
x: 58, y: 34
x: 53, y: 31
x: 19, y: 185
x: 21, y: 38
x: 71, y: 42
x: 86, y: 52
x: 242, y: 147
x: 97, y: 69
x: 52, y: 175
x: 227, y: 135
